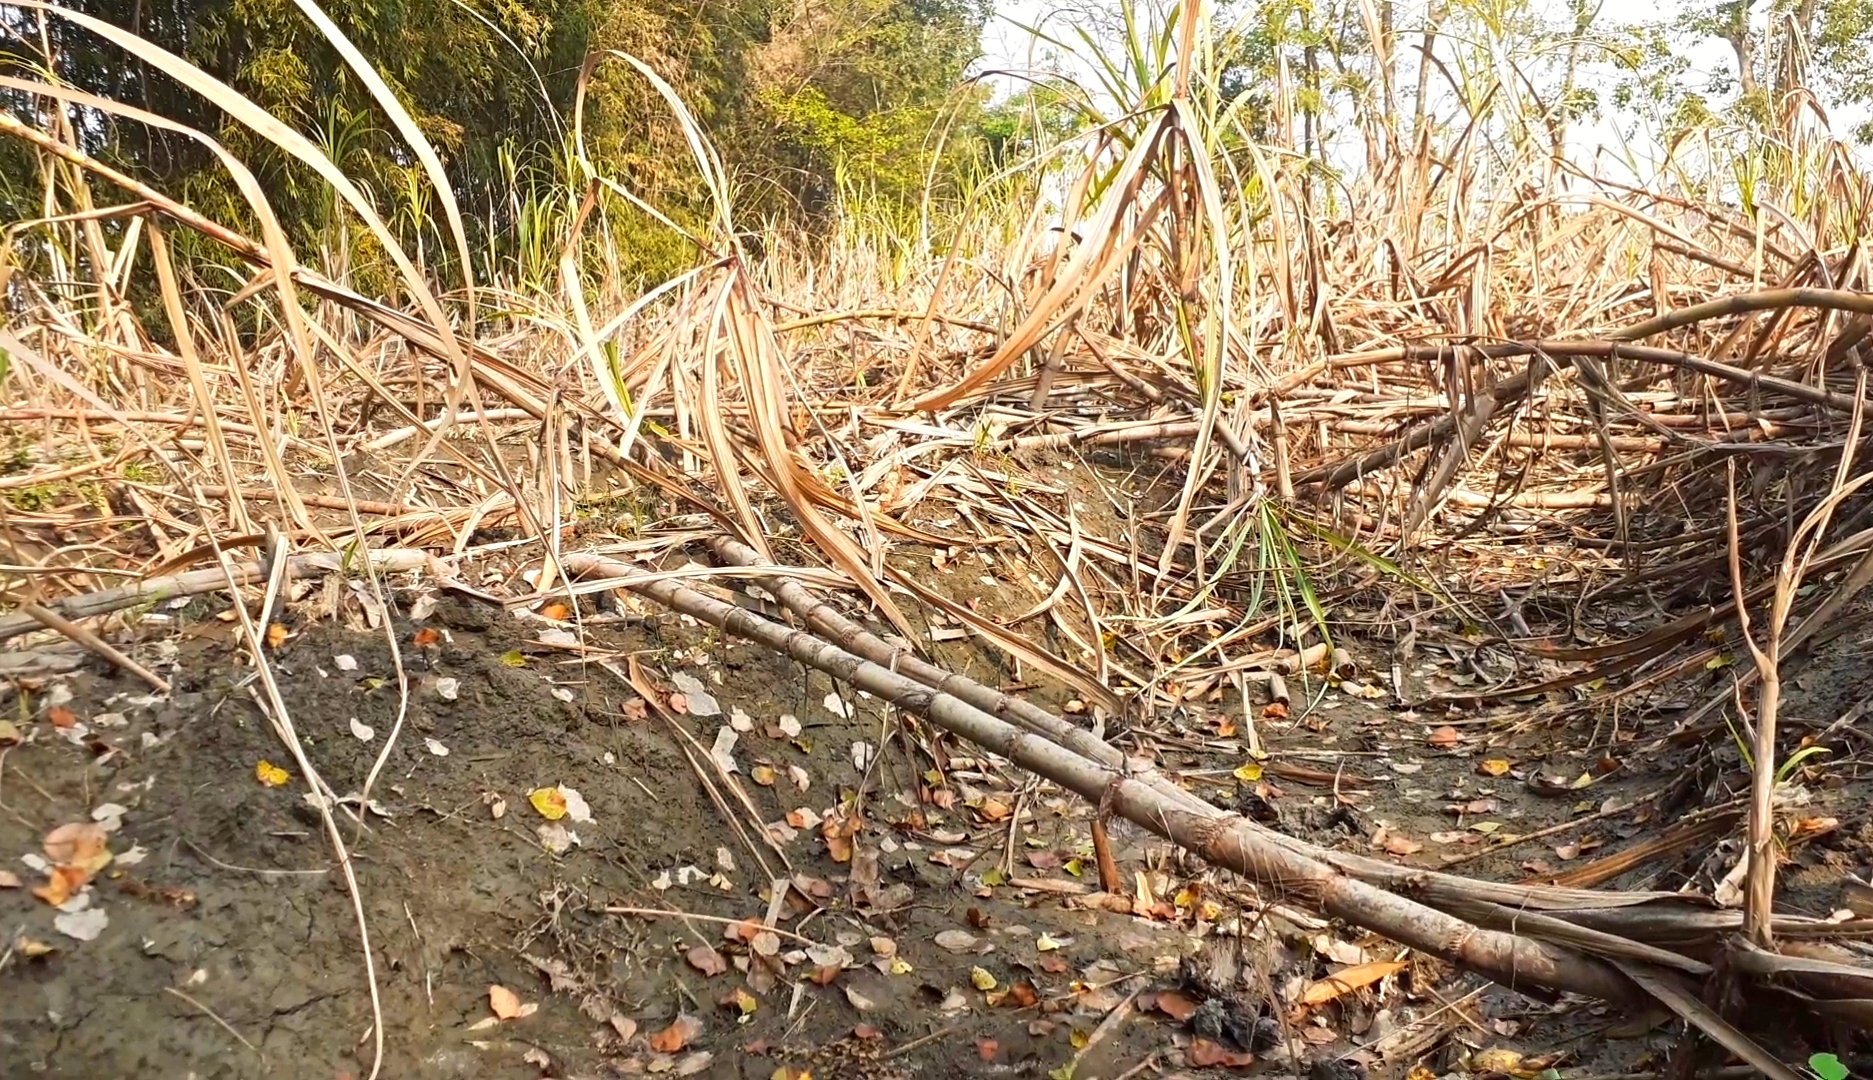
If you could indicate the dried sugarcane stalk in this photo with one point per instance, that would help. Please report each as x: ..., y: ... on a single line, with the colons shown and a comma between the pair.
x: 1533, y: 950
x: 197, y: 582
x: 850, y: 636
x: 1654, y: 917
x: 1226, y: 840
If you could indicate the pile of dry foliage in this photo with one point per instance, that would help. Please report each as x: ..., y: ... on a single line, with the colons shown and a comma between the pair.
x: 1618, y: 428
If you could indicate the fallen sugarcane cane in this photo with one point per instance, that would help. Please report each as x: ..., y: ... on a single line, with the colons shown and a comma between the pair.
x: 1540, y: 951
x: 1642, y: 917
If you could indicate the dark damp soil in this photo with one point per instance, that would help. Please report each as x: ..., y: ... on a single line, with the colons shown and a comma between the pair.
x: 232, y: 948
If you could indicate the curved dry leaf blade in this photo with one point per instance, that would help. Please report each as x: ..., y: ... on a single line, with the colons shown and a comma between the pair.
x: 1324, y: 990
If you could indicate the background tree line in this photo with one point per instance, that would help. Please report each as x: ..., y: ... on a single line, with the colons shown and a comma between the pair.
x: 801, y: 97
x: 815, y: 103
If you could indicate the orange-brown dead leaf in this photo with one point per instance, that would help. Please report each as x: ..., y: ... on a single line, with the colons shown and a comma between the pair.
x: 1324, y: 990
x: 676, y: 1036
x: 81, y: 844
x: 1204, y: 1054
x: 426, y: 637
x: 502, y: 1002
x: 1445, y: 736
x: 1176, y: 1004
x: 707, y: 961
x: 1810, y: 827
x: 61, y: 716
x: 62, y: 884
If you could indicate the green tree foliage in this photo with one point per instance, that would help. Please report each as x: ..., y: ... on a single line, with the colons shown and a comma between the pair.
x: 1783, y: 54
x: 799, y: 95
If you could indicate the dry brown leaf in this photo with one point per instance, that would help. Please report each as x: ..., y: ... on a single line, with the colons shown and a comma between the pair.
x: 1204, y: 1054
x: 994, y: 810
x: 1445, y: 736
x: 1348, y: 980
x: 1176, y: 1004
x: 426, y: 637
x: 707, y: 961
x: 1810, y: 827
x: 61, y: 716
x: 504, y: 1003
x: 81, y: 844
x: 986, y: 1049
x: 1397, y: 844
x: 677, y: 1035
x: 62, y: 884
x: 9, y: 880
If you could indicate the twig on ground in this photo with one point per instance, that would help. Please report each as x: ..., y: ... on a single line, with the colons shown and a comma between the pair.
x: 216, y: 1017
x: 96, y: 644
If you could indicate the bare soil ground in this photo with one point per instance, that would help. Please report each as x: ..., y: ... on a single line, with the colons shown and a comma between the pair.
x: 959, y: 933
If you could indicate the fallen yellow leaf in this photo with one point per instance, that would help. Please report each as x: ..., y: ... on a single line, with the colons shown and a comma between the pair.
x: 549, y: 802
x: 270, y: 774
x: 1497, y: 1060
x: 1249, y: 772
x: 981, y: 979
x: 1494, y: 767
x: 277, y: 633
